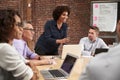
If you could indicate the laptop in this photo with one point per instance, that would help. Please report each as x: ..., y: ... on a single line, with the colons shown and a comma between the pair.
x: 71, y: 48
x: 100, y: 50
x: 63, y: 72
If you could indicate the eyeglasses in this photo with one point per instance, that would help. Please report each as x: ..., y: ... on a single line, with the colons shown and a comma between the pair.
x: 29, y: 29
x: 19, y: 24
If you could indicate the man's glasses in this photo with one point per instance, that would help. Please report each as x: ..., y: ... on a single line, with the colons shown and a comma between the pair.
x: 29, y: 29
x: 19, y: 24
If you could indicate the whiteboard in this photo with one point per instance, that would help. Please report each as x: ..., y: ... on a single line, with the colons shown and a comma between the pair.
x: 104, y: 15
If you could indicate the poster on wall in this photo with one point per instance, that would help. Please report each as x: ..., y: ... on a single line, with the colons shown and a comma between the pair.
x: 104, y: 15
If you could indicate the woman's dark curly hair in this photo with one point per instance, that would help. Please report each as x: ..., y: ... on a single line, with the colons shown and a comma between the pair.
x: 7, y: 22
x: 59, y: 10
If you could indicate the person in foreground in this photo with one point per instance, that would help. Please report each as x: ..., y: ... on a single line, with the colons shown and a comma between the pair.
x: 22, y: 47
x: 12, y: 65
x: 55, y: 32
x: 104, y: 66
x: 90, y: 43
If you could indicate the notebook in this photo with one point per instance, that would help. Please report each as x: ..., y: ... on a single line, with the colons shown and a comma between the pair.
x: 71, y: 48
x: 63, y: 72
x: 100, y: 50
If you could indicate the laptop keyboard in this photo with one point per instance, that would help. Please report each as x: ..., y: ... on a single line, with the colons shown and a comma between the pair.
x: 56, y: 73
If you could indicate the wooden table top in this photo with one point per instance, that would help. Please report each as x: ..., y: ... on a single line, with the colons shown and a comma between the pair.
x: 76, y: 71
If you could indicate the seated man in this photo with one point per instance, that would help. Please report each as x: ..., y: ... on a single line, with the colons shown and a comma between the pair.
x: 104, y: 66
x: 90, y: 43
x: 22, y: 47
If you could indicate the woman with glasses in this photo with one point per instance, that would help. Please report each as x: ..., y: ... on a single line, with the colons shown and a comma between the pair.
x: 12, y: 65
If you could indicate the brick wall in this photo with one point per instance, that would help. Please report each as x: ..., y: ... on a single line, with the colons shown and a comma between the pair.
x: 41, y: 11
x: 78, y: 22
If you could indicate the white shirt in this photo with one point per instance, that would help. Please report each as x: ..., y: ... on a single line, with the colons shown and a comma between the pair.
x: 89, y: 46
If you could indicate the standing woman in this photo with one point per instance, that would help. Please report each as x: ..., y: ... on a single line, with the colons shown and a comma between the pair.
x: 55, y: 32
x: 12, y: 65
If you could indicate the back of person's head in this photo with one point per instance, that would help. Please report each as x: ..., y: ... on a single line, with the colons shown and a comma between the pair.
x: 7, y: 22
x: 59, y: 10
x: 95, y: 28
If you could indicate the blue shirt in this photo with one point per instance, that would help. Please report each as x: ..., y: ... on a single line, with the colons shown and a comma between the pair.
x: 89, y: 46
x: 23, y: 49
x: 46, y: 43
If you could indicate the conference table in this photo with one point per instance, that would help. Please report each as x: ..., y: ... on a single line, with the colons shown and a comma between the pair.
x: 76, y: 71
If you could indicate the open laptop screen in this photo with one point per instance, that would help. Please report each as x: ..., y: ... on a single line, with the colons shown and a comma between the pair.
x: 68, y: 63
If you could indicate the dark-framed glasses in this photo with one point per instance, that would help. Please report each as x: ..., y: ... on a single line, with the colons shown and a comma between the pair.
x: 29, y: 29
x: 19, y: 24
